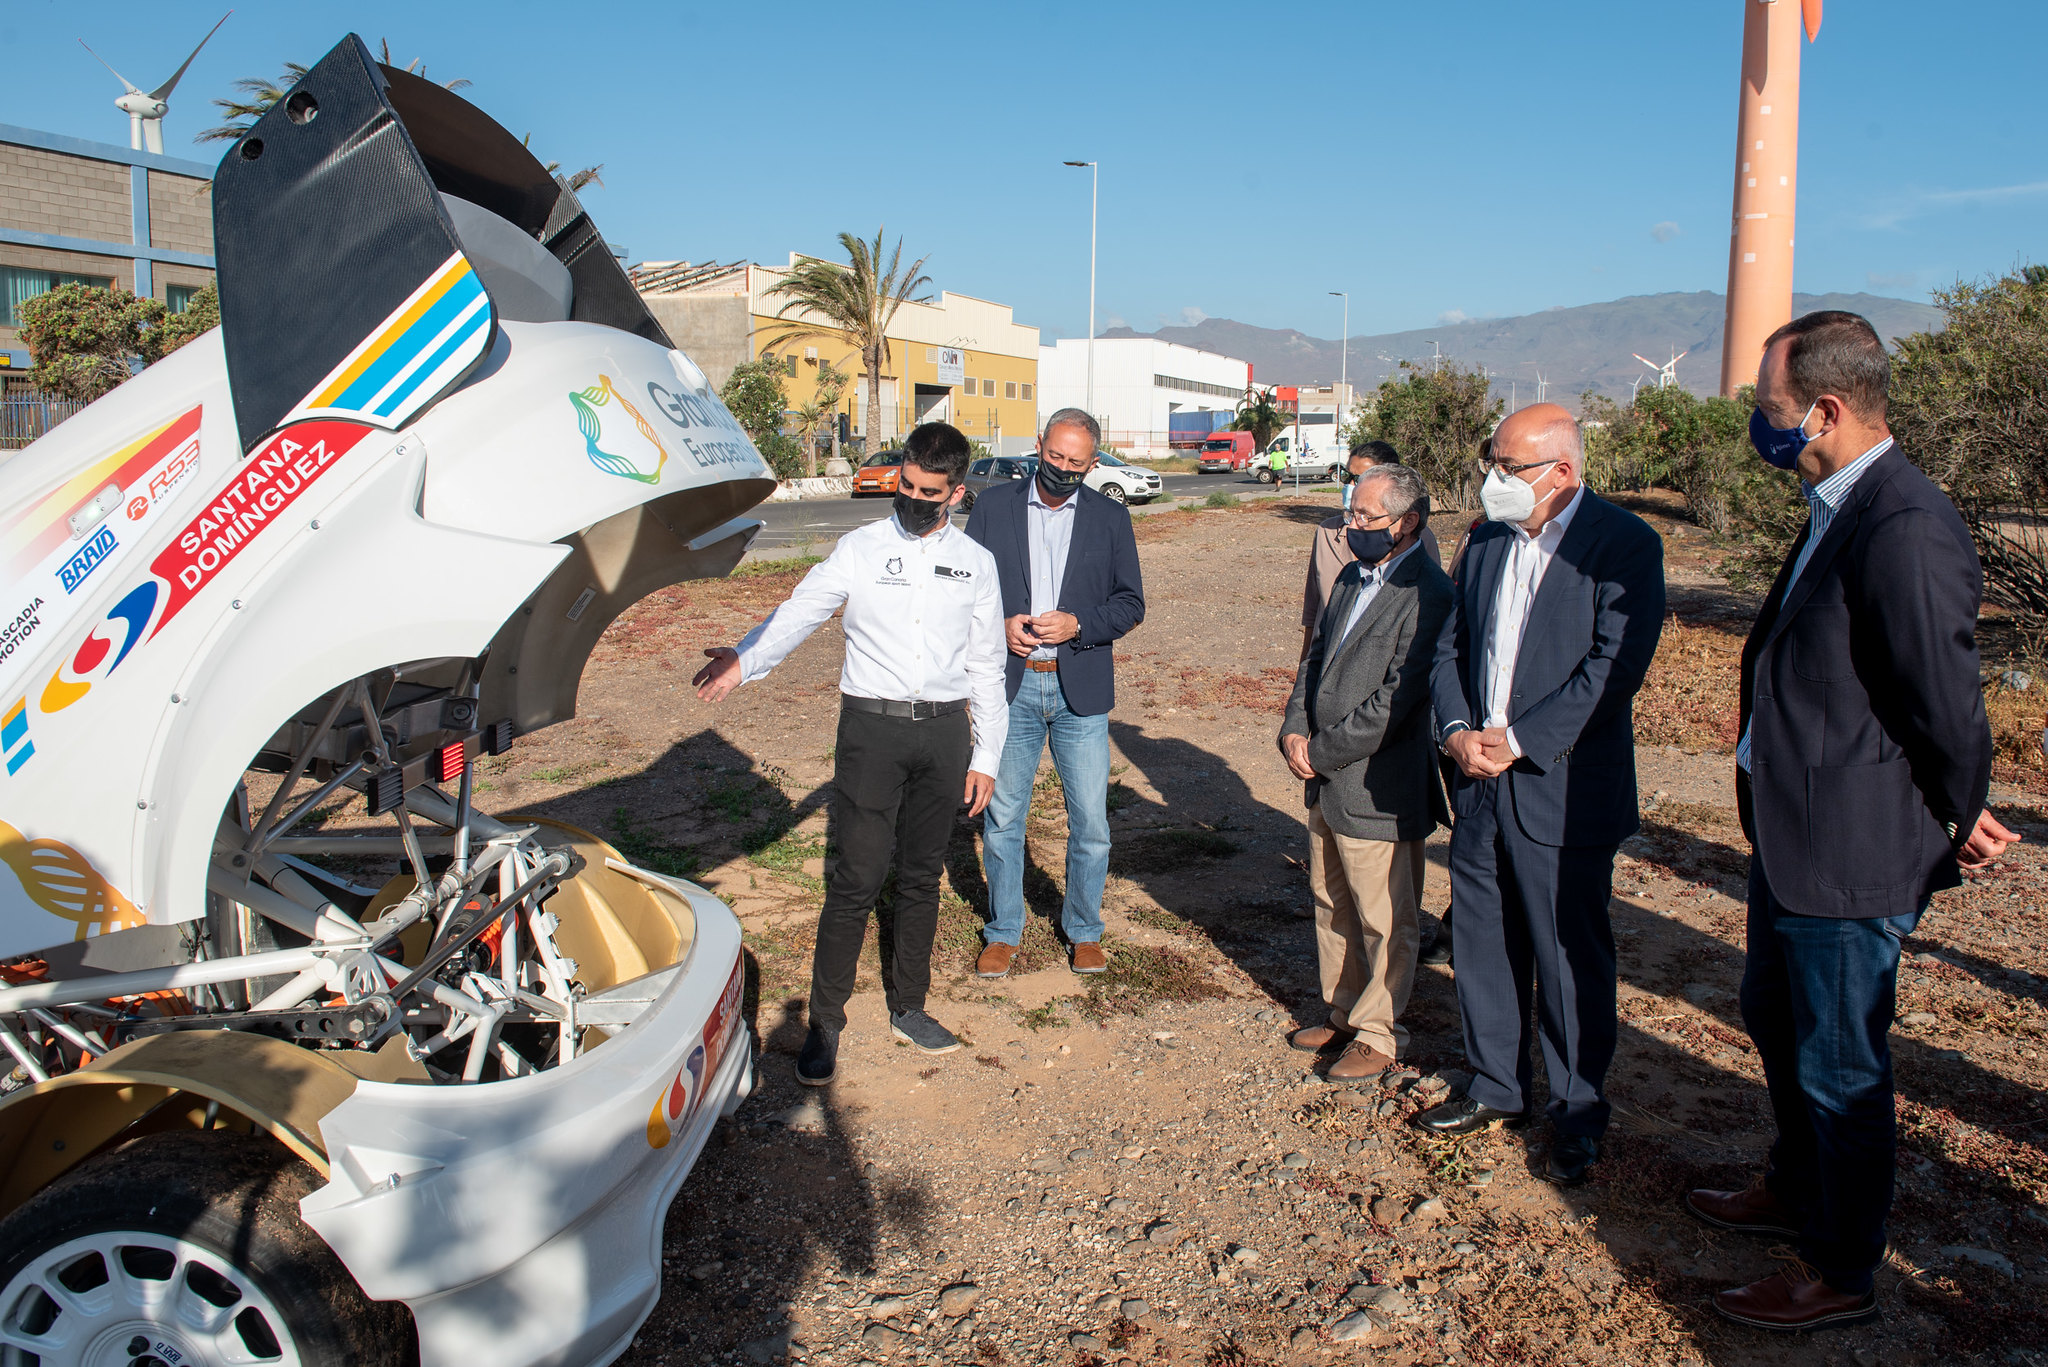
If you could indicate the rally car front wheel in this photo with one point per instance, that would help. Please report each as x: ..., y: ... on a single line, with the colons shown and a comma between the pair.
x: 185, y: 1249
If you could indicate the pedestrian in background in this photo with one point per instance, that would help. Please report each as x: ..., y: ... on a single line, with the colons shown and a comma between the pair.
x: 1357, y: 734
x: 1071, y: 589
x: 1557, y: 608
x: 921, y: 723
x: 1861, y: 776
x: 1329, y: 551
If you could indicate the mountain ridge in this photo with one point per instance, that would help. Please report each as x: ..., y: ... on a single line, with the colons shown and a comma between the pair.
x: 1575, y: 347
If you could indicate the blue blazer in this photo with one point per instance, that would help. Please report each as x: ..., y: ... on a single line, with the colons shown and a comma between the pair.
x: 1590, y: 636
x: 1102, y: 586
x: 1870, y: 754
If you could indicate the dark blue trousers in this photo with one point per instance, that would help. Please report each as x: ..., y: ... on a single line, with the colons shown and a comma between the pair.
x: 1818, y: 994
x: 1533, y: 918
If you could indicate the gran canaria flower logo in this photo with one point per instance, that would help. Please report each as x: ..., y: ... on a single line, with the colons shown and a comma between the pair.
x: 613, y: 446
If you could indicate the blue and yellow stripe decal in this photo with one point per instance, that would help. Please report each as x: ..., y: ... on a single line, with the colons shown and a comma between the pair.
x: 413, y: 354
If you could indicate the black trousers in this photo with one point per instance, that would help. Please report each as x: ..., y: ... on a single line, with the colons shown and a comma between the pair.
x: 896, y: 787
x: 1533, y: 915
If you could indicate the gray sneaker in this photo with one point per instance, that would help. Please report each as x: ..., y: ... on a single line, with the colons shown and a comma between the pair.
x: 916, y: 1028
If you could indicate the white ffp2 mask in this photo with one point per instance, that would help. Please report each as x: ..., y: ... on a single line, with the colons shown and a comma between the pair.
x: 1507, y: 499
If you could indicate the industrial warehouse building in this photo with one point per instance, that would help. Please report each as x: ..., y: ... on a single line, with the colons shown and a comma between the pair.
x: 1141, y: 383
x: 956, y: 359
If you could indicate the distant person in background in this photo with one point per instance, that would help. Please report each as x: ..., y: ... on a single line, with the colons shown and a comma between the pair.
x: 1357, y: 734
x: 1068, y: 560
x: 1860, y: 778
x: 1276, y: 462
x: 1329, y: 552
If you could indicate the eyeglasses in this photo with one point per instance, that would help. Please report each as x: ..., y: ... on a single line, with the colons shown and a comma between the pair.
x: 1507, y: 468
x: 1361, y: 519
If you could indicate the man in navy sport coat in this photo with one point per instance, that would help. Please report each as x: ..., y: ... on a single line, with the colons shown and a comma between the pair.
x: 1861, y: 776
x: 1556, y: 609
x: 1067, y: 561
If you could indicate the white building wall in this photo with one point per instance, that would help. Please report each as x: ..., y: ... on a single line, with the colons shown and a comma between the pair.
x: 1131, y: 406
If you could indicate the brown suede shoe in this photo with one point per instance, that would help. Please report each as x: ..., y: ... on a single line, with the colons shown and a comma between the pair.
x: 995, y: 960
x: 1314, y: 1039
x: 1359, y: 1060
x: 1753, y: 1210
x: 1794, y: 1298
x: 1089, y: 958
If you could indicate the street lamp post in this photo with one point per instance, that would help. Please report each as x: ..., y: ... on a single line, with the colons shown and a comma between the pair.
x: 1343, y: 367
x: 1437, y: 359
x: 1094, y: 200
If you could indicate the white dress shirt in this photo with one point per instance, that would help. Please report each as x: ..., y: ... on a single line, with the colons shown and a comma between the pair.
x: 1823, y: 501
x: 924, y: 623
x: 1052, y: 532
x: 1528, y: 558
x: 1371, y: 577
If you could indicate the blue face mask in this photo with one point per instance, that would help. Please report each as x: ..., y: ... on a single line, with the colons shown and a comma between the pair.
x: 1779, y: 446
x: 1370, y: 546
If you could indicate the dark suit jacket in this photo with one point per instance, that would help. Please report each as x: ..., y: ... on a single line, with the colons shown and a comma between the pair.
x: 1102, y: 587
x: 1870, y: 754
x: 1588, y: 642
x: 1364, y: 704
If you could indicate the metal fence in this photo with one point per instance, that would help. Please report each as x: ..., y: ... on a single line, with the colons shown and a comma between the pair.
x: 24, y: 417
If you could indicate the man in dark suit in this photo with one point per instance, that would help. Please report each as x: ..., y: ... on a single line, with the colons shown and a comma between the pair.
x: 1357, y: 735
x: 1330, y: 551
x: 1068, y: 564
x: 1556, y: 610
x: 1861, y: 776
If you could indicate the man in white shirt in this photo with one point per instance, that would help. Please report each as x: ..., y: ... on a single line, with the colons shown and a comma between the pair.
x: 1557, y: 606
x: 921, y: 726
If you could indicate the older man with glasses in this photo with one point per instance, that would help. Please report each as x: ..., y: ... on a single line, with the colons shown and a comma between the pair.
x: 1556, y: 610
x: 1329, y: 552
x: 1357, y: 734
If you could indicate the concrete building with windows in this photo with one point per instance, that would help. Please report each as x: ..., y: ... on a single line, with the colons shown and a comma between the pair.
x: 1319, y: 413
x: 73, y: 210
x: 956, y: 359
x: 1141, y: 383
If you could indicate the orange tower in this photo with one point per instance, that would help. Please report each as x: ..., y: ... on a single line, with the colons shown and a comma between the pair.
x: 1766, y: 183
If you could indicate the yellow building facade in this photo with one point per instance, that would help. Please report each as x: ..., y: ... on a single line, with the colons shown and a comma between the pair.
x: 954, y: 359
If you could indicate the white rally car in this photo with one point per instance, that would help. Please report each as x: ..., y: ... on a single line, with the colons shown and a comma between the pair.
x: 298, y: 1090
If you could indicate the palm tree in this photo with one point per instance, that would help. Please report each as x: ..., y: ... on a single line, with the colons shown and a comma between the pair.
x: 260, y: 92
x: 859, y: 301
x: 815, y: 414
x: 1261, y: 416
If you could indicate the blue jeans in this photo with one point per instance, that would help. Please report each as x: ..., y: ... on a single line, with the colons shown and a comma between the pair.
x: 1080, y: 755
x: 1817, y: 997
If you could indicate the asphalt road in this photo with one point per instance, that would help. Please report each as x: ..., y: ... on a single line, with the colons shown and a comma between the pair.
x: 814, y: 524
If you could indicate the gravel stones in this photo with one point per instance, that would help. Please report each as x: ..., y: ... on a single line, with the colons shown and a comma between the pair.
x: 882, y: 1338
x: 957, y: 1299
x: 1389, y: 1210
x: 1045, y: 1165
x: 1135, y: 1309
x: 1082, y: 1342
x: 886, y: 1307
x: 1244, y: 1255
x: 1354, y: 1326
x: 1162, y: 1232
x: 1429, y: 1212
x: 1983, y: 1257
x: 1294, y: 1160
x: 1918, y: 1019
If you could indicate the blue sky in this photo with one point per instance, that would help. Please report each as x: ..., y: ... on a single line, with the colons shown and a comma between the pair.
x: 1432, y: 159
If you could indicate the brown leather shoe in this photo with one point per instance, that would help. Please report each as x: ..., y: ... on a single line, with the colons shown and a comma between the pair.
x: 1359, y: 1060
x: 1089, y: 958
x: 1314, y: 1039
x: 1753, y: 1210
x: 1794, y: 1298
x: 995, y: 960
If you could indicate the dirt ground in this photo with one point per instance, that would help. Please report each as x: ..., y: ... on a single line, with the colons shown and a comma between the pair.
x: 1135, y: 1168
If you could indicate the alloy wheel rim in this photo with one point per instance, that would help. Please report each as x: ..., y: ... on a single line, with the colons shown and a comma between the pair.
x: 129, y: 1298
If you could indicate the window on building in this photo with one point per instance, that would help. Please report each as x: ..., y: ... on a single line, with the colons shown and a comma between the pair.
x: 1009, y: 389
x: 968, y: 385
x: 1024, y: 391
x: 19, y: 284
x: 178, y: 298
x: 1221, y: 391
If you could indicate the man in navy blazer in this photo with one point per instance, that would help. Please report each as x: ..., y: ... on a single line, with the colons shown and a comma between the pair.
x: 1861, y: 776
x: 1067, y: 561
x: 1556, y: 609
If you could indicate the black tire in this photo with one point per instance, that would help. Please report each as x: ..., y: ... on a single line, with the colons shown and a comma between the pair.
x: 236, y: 1198
x: 1114, y: 492
x: 967, y: 502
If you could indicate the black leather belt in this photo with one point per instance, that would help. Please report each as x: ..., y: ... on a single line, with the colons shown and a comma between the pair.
x: 889, y: 707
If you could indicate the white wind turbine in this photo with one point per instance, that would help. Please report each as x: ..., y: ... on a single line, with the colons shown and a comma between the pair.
x: 146, y: 110
x: 1667, y: 374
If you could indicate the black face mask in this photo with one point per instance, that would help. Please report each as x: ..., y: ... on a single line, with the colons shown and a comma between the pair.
x: 919, y: 515
x: 1370, y: 547
x: 1054, y: 482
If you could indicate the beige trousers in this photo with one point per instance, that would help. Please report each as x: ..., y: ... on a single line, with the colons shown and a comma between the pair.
x: 1368, y: 895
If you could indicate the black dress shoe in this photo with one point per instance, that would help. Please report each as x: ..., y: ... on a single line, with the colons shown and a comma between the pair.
x: 1437, y: 951
x: 1571, y: 1159
x: 819, y: 1061
x: 1463, y: 1115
